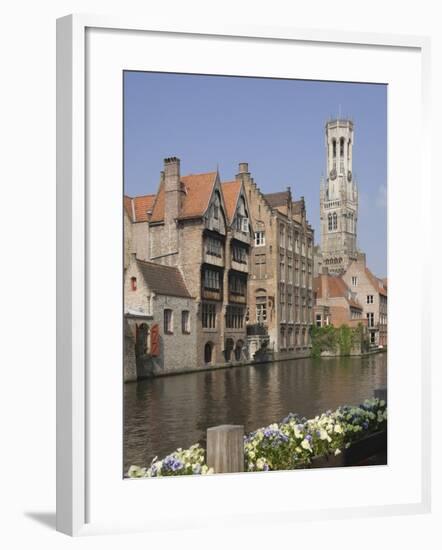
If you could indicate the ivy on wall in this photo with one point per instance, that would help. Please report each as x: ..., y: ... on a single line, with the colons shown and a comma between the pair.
x: 337, y: 341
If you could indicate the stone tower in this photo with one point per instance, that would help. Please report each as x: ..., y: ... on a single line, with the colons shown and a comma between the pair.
x: 338, y: 198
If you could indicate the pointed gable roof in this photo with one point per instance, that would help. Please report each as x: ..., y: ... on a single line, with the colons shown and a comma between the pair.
x: 196, y: 192
x: 231, y: 190
x: 376, y: 282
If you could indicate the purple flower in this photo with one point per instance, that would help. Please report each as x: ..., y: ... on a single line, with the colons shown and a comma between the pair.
x: 308, y: 437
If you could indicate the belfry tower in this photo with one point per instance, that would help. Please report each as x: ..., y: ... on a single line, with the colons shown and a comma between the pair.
x: 338, y: 198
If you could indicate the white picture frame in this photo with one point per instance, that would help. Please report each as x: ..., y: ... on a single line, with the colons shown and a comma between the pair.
x: 80, y: 487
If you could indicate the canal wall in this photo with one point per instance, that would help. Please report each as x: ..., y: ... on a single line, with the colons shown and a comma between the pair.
x: 271, y: 357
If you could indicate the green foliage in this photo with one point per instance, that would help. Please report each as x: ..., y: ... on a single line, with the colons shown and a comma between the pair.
x: 323, y: 339
x: 293, y: 442
x: 337, y: 341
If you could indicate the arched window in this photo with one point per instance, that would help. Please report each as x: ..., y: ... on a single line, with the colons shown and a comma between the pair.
x: 216, y: 207
x: 229, y: 348
x: 341, y: 147
x: 330, y: 222
x: 334, y: 148
x: 335, y: 221
x: 348, y: 149
x: 133, y: 283
x: 238, y: 349
x: 208, y: 348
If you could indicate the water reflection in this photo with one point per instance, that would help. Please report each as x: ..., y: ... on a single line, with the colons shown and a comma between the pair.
x: 165, y: 413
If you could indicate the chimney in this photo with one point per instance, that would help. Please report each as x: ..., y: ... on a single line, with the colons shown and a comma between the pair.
x: 172, y: 189
x: 243, y: 168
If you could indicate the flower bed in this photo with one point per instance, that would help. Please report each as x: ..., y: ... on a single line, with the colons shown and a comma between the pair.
x: 287, y: 445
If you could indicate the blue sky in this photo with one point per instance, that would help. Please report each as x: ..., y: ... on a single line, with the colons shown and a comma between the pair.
x: 277, y: 126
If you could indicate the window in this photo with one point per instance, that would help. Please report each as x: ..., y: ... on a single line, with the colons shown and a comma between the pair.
x: 261, y: 308
x: 214, y: 247
x: 133, y: 283
x: 369, y: 298
x: 208, y: 348
x: 260, y: 238
x: 289, y: 271
x: 330, y: 222
x: 370, y: 319
x: 208, y: 315
x: 185, y: 322
x: 212, y: 280
x: 354, y: 281
x: 335, y: 220
x: 372, y: 337
x: 237, y: 284
x: 318, y: 320
x: 281, y: 268
x: 235, y: 317
x: 282, y: 235
x: 290, y: 338
x: 282, y: 338
x: 239, y: 254
x: 260, y: 266
x: 334, y: 148
x: 341, y: 147
x: 168, y: 321
x: 216, y: 207
x: 289, y: 306
x: 289, y: 239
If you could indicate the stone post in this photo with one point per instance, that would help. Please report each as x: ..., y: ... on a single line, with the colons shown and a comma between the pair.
x: 225, y: 449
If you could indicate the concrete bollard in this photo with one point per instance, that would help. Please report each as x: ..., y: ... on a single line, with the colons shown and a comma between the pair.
x: 225, y: 448
x: 381, y: 393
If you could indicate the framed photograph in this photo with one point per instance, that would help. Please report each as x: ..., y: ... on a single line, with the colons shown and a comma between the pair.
x: 238, y: 311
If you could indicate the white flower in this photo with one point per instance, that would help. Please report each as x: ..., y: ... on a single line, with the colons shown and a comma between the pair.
x: 337, y: 452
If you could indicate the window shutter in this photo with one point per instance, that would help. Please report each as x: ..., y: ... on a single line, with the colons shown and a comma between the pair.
x: 155, y: 340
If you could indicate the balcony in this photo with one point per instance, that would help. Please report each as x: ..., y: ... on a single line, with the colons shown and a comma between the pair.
x: 235, y: 298
x: 213, y: 259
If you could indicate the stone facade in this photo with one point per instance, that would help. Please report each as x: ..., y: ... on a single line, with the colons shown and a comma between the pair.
x: 371, y: 293
x: 156, y: 301
x: 338, y: 199
x: 280, y: 292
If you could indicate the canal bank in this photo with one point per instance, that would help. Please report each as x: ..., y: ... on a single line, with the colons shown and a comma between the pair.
x: 164, y: 413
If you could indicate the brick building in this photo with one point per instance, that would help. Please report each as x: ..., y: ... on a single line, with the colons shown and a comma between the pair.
x: 371, y: 293
x: 335, y: 303
x: 280, y: 291
x: 202, y: 227
x: 159, y: 320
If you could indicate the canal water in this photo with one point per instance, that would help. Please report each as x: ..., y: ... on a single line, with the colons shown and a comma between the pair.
x: 162, y: 414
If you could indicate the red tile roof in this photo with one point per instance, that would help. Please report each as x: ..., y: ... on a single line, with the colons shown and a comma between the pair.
x: 337, y: 288
x: 137, y: 207
x: 197, y: 190
x: 231, y: 191
x: 375, y: 282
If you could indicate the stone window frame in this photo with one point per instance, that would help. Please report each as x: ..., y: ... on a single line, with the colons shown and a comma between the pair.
x: 168, y: 321
x: 185, y: 321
